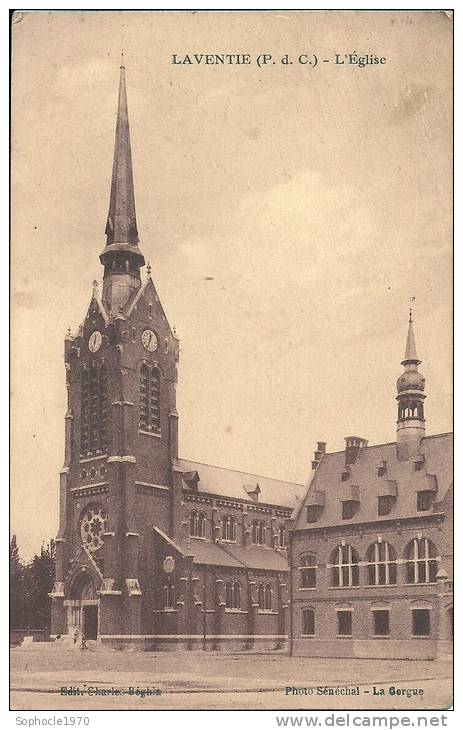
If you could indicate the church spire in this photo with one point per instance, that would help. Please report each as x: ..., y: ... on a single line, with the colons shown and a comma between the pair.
x: 121, y: 226
x: 122, y: 257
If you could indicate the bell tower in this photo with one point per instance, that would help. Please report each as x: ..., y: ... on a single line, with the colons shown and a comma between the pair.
x: 410, y: 398
x: 120, y: 431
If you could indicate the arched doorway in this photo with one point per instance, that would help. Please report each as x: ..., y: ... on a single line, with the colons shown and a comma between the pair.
x: 84, y: 606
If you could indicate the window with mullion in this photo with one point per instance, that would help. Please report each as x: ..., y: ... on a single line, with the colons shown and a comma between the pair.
x: 382, y: 566
x: 345, y: 569
x: 421, y: 561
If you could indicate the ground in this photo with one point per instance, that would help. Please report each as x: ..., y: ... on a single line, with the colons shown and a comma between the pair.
x: 218, y: 680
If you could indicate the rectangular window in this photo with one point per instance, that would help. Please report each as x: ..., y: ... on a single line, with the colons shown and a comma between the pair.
x: 308, y: 622
x: 309, y: 577
x: 381, y: 621
x: 344, y: 623
x: 418, y: 465
x: 345, y: 476
x: 421, y: 622
x: 385, y: 504
x: 312, y: 513
x: 423, y: 501
x: 349, y: 509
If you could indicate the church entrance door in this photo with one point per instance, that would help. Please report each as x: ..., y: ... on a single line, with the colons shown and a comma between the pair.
x: 83, y: 606
x: 90, y: 622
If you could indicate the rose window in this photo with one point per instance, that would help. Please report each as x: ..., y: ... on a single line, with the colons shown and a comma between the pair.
x: 92, y: 527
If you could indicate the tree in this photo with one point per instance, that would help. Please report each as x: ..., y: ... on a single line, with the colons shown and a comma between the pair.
x: 18, y: 603
x: 41, y: 576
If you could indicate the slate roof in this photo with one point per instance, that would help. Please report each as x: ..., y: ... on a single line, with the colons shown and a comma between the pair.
x: 400, y: 478
x: 235, y: 556
x: 230, y: 555
x: 258, y: 558
x: 235, y: 484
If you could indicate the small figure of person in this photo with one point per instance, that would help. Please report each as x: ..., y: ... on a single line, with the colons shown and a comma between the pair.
x: 76, y: 635
x: 84, y: 642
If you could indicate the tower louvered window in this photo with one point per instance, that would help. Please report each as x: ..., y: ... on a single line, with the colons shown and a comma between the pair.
x: 149, y: 399
x: 94, y: 409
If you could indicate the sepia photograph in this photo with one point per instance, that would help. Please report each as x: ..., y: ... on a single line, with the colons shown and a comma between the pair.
x: 231, y: 360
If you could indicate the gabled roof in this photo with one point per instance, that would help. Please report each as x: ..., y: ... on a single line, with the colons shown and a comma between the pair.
x: 232, y: 484
x: 400, y: 477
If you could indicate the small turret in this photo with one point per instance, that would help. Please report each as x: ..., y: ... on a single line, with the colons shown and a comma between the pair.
x: 410, y: 389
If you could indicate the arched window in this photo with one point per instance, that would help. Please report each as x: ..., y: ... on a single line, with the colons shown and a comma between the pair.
x: 308, y: 622
x: 258, y: 532
x: 233, y: 594
x: 93, y: 409
x: 268, y: 597
x: 308, y: 570
x: 229, y: 528
x: 201, y: 524
x: 168, y: 596
x: 149, y: 398
x: 344, y: 567
x: 421, y: 561
x: 260, y: 595
x: 382, y: 567
x: 194, y: 524
x: 282, y: 536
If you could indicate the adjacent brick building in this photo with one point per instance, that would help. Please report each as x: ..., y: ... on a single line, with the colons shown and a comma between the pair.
x: 371, y: 551
x: 153, y: 550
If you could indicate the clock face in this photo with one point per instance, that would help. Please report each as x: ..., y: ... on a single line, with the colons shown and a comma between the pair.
x: 94, y: 341
x: 149, y: 340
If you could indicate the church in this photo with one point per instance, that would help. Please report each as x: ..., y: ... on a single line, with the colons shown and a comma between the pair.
x: 154, y: 551
x: 371, y: 552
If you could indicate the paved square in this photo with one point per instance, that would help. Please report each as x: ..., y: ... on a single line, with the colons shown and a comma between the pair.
x: 103, y: 677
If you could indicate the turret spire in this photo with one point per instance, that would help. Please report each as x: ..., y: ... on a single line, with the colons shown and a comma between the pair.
x: 410, y: 347
x: 121, y: 226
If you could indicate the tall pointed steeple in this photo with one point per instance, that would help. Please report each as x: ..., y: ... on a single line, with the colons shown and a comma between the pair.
x: 410, y: 397
x: 122, y: 257
x: 121, y: 226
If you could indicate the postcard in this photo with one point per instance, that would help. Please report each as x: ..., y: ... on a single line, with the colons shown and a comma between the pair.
x: 231, y: 287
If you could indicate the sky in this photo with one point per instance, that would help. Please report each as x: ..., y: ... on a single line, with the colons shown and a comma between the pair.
x: 288, y: 213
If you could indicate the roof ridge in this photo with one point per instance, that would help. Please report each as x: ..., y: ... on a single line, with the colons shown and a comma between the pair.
x: 240, y: 471
x: 391, y: 443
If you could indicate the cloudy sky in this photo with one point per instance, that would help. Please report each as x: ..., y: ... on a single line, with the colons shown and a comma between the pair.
x: 288, y: 213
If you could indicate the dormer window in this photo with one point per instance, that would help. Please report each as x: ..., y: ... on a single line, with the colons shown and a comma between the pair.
x: 424, y: 500
x: 313, y: 512
x: 349, y: 508
x: 385, y: 504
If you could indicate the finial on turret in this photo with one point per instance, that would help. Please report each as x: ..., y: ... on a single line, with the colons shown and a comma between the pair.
x: 68, y: 333
x: 122, y: 59
x: 148, y: 268
x: 412, y: 299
